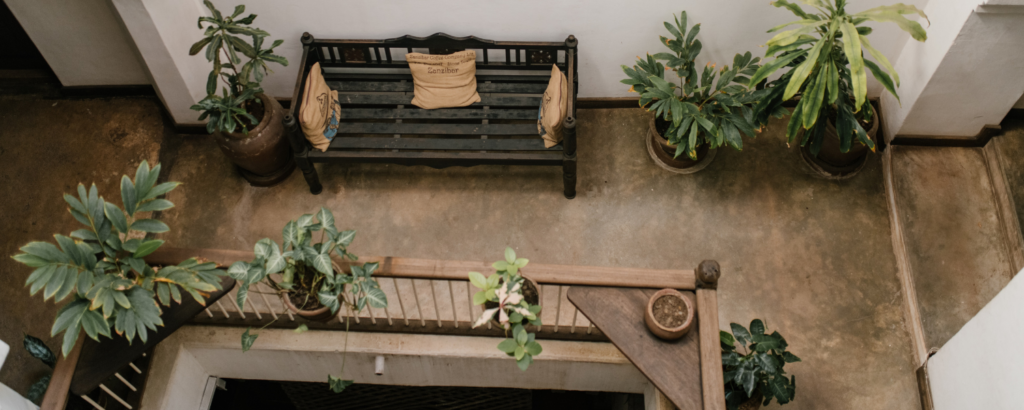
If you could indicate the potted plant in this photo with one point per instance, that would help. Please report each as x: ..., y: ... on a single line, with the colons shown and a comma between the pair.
x: 39, y: 350
x: 755, y: 376
x: 507, y: 295
x: 699, y: 115
x: 829, y: 71
x: 311, y: 284
x: 669, y: 314
x: 246, y: 123
x: 101, y: 267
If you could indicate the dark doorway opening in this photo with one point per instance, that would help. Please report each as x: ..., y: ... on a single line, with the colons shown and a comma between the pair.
x: 17, y: 52
x: 250, y: 394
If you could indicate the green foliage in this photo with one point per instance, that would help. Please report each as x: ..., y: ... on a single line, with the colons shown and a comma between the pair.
x: 338, y: 385
x: 759, y: 368
x: 39, y: 350
x: 299, y: 258
x: 102, y: 270
x: 826, y: 55
x: 221, y: 39
x: 504, y: 288
x: 248, y: 339
x: 701, y: 110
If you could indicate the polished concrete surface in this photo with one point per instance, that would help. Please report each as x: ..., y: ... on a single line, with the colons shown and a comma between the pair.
x: 813, y: 258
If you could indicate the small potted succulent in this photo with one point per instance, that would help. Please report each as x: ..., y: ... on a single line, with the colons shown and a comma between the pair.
x: 514, y: 300
x: 669, y: 314
x: 825, y: 52
x: 755, y: 376
x: 699, y: 115
x: 246, y: 123
x: 101, y: 268
x: 311, y: 284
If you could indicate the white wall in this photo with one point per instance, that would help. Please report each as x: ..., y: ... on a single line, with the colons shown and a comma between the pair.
x: 82, y: 40
x: 979, y: 367
x: 965, y: 76
x: 611, y: 33
x: 1020, y: 103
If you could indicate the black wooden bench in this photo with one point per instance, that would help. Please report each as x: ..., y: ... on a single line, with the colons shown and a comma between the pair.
x: 380, y: 125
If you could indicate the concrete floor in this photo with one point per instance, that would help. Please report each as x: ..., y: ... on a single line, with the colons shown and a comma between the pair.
x: 813, y: 258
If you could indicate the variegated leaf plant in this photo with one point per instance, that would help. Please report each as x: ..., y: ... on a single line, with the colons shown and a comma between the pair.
x: 505, y: 289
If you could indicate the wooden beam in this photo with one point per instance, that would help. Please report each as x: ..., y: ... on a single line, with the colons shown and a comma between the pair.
x: 548, y: 274
x: 712, y: 380
x: 56, y: 396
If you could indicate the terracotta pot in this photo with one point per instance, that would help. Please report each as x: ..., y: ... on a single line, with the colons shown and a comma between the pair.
x: 832, y: 163
x: 753, y: 403
x: 263, y: 155
x: 323, y: 314
x: 662, y: 153
x: 660, y: 330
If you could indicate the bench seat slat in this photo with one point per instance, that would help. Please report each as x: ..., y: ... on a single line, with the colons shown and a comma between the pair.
x: 439, y: 114
x: 436, y: 129
x: 406, y: 99
x: 392, y: 86
x: 440, y: 159
x: 533, y: 144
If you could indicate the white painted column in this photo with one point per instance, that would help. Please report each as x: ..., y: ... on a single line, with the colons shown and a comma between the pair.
x: 966, y: 76
x: 163, y: 31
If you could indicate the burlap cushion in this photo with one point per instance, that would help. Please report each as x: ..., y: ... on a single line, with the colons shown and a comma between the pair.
x: 442, y: 81
x: 554, y: 107
x: 320, y: 110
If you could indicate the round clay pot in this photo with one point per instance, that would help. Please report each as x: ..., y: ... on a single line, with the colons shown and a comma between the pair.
x: 831, y: 163
x: 323, y: 314
x: 263, y: 155
x: 663, y: 154
x: 660, y: 330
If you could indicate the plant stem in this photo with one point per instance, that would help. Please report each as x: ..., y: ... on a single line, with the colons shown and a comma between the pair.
x: 344, y: 354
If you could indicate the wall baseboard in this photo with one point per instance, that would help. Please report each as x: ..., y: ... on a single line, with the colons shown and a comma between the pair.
x: 983, y: 137
x: 101, y: 91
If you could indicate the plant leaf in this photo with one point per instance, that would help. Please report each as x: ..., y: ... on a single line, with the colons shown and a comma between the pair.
x: 248, y: 340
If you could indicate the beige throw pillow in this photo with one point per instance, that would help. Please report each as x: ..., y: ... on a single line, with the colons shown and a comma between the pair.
x: 554, y: 107
x: 320, y: 110
x: 442, y: 81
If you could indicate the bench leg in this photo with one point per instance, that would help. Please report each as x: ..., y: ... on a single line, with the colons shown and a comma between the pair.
x: 301, y: 149
x: 309, y: 172
x: 569, y: 175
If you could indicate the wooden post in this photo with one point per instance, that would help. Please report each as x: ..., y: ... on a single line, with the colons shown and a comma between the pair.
x: 56, y: 396
x: 713, y: 383
x: 291, y: 125
x: 569, y: 125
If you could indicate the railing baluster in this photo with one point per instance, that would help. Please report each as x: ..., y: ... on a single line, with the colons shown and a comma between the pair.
x: 377, y: 51
x: 121, y: 378
x: 485, y: 55
x: 508, y: 57
x: 455, y: 316
x: 437, y: 307
x: 134, y: 368
x: 387, y: 53
x: 518, y: 61
x: 540, y: 302
x: 254, y: 310
x: 575, y: 312
x: 416, y: 295
x: 116, y: 397
x: 558, y: 309
x: 237, y: 309
x: 207, y: 310
x: 88, y: 400
x: 222, y: 310
x: 265, y: 301
x: 590, y: 328
x: 400, y: 304
x: 469, y: 294
x: 373, y: 319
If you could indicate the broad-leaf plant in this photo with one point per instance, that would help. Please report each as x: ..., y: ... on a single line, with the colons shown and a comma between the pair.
x: 101, y: 268
x: 41, y: 351
x: 759, y: 368
x: 227, y: 111
x: 300, y: 261
x: 829, y: 70
x: 505, y: 289
x: 701, y: 110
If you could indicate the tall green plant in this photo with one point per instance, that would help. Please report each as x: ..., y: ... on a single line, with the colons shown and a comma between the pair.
x: 701, y: 111
x: 227, y: 111
x: 101, y: 267
x: 758, y: 368
x: 829, y: 71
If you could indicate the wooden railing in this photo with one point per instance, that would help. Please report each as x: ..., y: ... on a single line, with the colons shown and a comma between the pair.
x: 435, y: 296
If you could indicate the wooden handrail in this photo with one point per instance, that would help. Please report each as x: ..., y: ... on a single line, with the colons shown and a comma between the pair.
x: 56, y: 396
x: 412, y: 268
